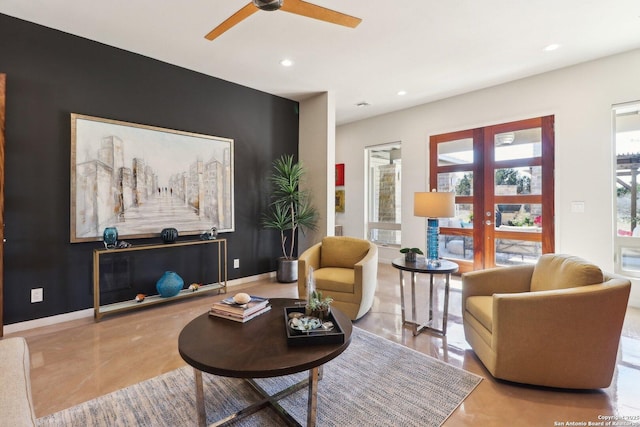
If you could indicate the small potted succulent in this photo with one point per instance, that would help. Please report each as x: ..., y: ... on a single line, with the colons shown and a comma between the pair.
x: 317, y: 306
x: 411, y: 254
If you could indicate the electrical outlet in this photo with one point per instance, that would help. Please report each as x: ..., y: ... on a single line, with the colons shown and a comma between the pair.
x: 37, y: 295
x: 577, y: 207
x: 236, y: 263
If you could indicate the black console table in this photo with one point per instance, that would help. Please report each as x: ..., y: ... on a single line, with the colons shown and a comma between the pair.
x: 221, y: 285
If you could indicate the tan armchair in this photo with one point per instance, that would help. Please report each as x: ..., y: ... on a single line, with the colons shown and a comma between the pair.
x: 554, y: 324
x: 16, y: 403
x: 345, y: 268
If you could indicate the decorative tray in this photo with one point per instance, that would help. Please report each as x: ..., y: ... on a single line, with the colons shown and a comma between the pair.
x: 312, y: 336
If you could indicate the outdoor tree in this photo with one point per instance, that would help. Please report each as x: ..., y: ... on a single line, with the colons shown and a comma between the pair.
x: 463, y: 187
x: 507, y: 176
x: 512, y: 176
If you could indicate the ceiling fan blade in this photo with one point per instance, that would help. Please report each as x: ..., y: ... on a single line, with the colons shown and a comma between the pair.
x: 234, y: 19
x: 309, y: 10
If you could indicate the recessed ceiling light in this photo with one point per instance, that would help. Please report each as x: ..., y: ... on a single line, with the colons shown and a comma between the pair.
x: 551, y: 47
x: 362, y: 104
x: 402, y: 92
x: 286, y: 63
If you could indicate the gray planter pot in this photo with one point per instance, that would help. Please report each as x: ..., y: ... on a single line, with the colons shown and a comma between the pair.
x: 287, y: 270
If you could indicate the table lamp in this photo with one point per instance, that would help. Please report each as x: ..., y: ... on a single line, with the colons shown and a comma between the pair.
x: 433, y: 205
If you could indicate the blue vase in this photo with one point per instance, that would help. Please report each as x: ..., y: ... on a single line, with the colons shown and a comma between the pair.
x: 110, y: 237
x: 170, y: 284
x: 432, y: 242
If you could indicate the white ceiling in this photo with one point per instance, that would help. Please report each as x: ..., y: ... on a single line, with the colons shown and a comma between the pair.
x: 432, y: 49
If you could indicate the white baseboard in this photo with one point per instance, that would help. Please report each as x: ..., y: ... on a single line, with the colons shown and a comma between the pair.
x: 81, y: 314
x: 249, y: 279
x: 47, y: 321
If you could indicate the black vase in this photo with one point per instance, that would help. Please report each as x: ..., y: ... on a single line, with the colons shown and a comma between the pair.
x: 169, y: 235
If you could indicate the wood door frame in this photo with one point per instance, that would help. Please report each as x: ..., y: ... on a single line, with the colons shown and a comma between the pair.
x: 483, y: 159
x: 477, y: 136
x: 3, y: 87
x: 546, y: 198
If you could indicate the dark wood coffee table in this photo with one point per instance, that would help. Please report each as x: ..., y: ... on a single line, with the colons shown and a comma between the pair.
x: 257, y: 349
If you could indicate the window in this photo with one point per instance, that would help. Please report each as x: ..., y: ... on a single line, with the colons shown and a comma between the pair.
x: 384, y: 166
x: 626, y: 120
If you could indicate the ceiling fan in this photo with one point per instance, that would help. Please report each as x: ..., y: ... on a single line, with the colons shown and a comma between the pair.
x: 298, y: 7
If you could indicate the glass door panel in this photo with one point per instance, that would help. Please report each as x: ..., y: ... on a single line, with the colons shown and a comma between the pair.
x: 456, y: 247
x: 456, y: 152
x: 514, y: 181
x: 463, y: 217
x: 460, y: 182
x: 519, y: 144
x: 519, y: 217
x: 516, y: 252
x: 456, y: 235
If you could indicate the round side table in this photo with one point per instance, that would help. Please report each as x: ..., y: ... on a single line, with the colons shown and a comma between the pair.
x: 421, y: 266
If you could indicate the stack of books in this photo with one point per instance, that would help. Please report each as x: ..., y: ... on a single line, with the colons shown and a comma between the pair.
x: 229, y: 309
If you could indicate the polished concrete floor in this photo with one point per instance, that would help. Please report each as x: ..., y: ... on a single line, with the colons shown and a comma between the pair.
x: 80, y: 360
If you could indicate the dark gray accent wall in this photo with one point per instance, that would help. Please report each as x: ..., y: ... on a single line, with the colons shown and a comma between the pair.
x: 51, y: 74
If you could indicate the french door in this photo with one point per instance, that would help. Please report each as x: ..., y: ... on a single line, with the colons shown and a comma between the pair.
x: 502, y: 176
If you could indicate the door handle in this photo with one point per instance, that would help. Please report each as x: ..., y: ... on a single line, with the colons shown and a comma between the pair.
x: 488, y: 214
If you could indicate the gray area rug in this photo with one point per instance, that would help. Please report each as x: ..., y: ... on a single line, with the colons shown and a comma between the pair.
x: 375, y: 382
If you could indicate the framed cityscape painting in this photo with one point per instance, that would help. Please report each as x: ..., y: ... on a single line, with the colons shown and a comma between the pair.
x: 141, y: 179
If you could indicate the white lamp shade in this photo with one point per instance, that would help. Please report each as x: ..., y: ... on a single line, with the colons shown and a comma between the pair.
x: 434, y: 204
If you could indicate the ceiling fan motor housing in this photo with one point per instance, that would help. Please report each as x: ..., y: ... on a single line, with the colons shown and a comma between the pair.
x: 268, y: 5
x: 296, y: 7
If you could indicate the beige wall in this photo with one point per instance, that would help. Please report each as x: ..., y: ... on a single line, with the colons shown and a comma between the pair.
x: 317, y: 153
x: 580, y: 97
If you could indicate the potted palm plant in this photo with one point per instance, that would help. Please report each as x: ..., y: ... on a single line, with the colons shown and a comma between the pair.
x: 290, y: 212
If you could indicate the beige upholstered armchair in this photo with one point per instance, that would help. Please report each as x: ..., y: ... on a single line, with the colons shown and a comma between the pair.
x: 345, y: 268
x: 554, y: 324
x: 16, y: 403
